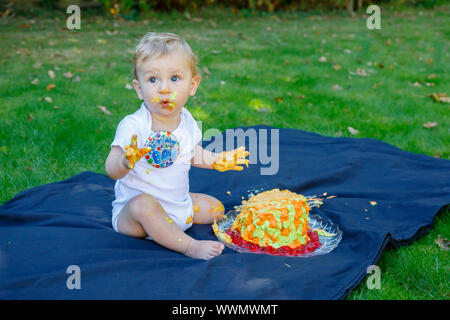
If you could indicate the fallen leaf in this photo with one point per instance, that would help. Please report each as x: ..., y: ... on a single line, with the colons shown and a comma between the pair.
x: 222, y: 83
x: 48, y: 99
x: 416, y: 84
x: 128, y: 86
x: 35, y: 81
x: 68, y: 75
x: 360, y: 72
x: 432, y: 76
x: 206, y: 71
x: 50, y: 86
x: 56, y: 107
x: 430, y: 125
x: 56, y: 68
x: 300, y: 96
x: 444, y: 244
x: 278, y: 99
x: 337, y: 87
x: 430, y: 84
x: 352, y: 131
x: 323, y: 59
x: 375, y: 85
x: 337, y: 67
x: 388, y: 42
x: 51, y: 74
x: 105, y: 111
x: 440, y: 97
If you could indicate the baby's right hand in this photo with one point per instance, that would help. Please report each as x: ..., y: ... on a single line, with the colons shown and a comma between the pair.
x: 133, y: 153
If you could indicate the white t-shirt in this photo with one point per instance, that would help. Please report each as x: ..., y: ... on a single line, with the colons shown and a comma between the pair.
x: 170, y: 185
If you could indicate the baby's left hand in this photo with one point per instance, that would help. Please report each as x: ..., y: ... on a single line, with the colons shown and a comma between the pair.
x: 229, y: 160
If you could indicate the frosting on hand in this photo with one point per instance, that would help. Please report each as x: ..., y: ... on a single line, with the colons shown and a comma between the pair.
x: 133, y: 153
x: 230, y: 160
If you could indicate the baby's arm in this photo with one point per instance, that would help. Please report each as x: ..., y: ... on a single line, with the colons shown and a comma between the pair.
x: 119, y: 163
x: 116, y: 165
x: 203, y: 158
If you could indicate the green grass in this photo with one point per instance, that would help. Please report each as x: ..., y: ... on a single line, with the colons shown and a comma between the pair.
x: 260, y: 57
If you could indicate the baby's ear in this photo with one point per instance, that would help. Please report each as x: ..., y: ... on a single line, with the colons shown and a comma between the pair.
x: 137, y: 87
x: 194, y: 84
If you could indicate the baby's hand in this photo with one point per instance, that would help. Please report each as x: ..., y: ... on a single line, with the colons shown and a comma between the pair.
x: 133, y: 153
x: 229, y: 160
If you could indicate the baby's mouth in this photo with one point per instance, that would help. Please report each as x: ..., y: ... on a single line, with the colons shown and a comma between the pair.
x: 167, y: 104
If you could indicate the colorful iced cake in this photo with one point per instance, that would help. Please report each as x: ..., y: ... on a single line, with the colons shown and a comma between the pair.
x: 274, y: 222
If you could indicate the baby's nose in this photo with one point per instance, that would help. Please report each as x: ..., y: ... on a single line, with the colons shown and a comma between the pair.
x: 164, y: 88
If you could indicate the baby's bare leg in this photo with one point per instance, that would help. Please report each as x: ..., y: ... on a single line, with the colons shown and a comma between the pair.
x: 143, y: 216
x: 206, y: 208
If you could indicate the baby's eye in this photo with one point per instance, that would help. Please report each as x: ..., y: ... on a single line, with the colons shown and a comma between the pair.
x: 174, y: 78
x: 152, y: 79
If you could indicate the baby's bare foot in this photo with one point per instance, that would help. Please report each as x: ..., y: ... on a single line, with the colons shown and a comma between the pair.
x: 204, y: 249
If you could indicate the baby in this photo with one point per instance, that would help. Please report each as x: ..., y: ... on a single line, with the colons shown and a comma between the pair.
x: 153, y: 199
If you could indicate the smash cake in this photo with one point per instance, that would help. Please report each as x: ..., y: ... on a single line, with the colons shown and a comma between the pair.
x: 274, y: 222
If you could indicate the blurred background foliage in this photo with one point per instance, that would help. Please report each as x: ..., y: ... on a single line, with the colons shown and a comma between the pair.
x: 133, y: 8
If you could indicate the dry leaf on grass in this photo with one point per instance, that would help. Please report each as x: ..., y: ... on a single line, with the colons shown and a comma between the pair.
x: 337, y: 87
x: 443, y: 243
x: 206, y: 71
x: 68, y: 75
x: 440, y: 97
x: 35, y: 81
x: 375, y: 85
x: 353, y: 131
x: 278, y: 99
x: 105, y: 111
x: 48, y: 99
x: 51, y: 74
x: 323, y: 59
x: 360, y: 72
x: 430, y: 125
x: 50, y: 86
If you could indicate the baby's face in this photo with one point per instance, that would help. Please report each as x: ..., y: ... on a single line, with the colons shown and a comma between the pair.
x: 165, y: 83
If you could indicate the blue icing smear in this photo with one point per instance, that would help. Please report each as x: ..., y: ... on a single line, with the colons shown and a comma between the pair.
x: 165, y: 149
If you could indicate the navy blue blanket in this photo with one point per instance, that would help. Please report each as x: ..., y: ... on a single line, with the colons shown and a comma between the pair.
x: 46, y: 229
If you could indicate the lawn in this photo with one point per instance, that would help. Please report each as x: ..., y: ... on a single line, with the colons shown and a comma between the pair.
x: 316, y: 72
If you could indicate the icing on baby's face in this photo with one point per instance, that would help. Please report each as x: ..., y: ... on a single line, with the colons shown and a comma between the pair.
x: 165, y: 83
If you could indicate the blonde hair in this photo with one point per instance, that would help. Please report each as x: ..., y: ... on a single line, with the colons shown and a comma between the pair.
x: 157, y: 44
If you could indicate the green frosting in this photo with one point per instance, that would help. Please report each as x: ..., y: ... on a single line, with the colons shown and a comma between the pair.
x: 281, y: 239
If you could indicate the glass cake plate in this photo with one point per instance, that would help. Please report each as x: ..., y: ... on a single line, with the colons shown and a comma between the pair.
x: 328, y: 243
